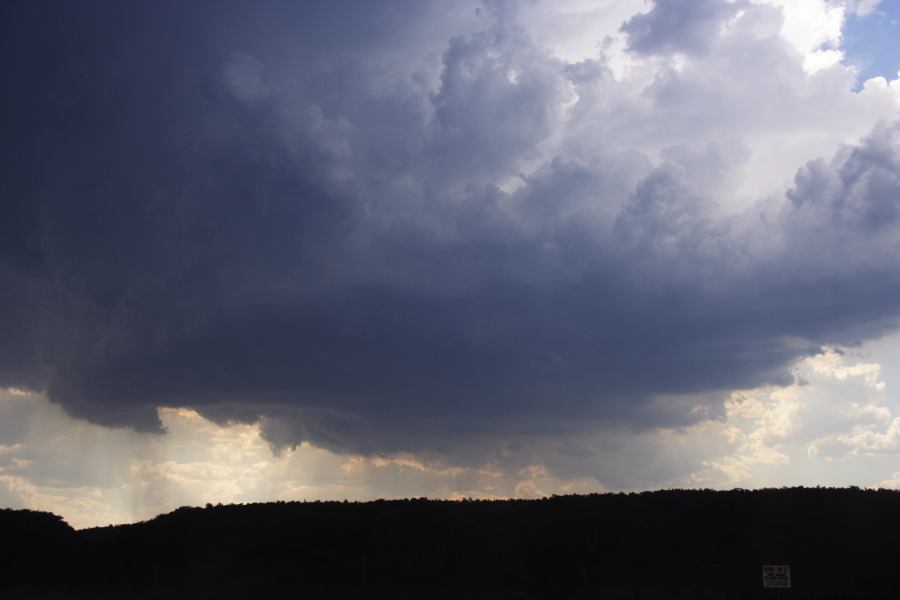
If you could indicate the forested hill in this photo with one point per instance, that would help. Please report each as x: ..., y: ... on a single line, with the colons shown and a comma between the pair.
x: 667, y: 544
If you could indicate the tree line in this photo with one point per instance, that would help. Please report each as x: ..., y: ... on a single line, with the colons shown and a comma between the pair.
x: 839, y: 543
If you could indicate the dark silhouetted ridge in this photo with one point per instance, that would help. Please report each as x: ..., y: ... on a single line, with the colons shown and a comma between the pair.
x: 839, y: 543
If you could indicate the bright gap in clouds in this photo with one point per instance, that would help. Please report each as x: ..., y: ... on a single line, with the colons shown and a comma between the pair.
x: 836, y: 425
x: 94, y: 475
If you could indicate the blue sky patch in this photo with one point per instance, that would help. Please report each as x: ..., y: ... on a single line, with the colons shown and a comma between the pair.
x: 872, y: 42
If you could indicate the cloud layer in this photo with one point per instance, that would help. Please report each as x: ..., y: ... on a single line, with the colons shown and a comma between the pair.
x: 832, y: 426
x: 421, y: 227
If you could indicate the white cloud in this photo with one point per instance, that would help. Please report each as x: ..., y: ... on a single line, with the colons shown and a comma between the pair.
x: 862, y: 7
x: 835, y: 409
x: 813, y: 27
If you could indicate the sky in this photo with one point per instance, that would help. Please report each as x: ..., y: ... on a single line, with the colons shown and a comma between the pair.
x: 486, y: 249
x: 870, y: 41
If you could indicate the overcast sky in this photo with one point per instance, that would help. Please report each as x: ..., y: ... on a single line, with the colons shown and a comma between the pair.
x: 285, y: 250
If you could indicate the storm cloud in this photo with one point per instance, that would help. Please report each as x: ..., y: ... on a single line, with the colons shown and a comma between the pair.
x: 391, y: 227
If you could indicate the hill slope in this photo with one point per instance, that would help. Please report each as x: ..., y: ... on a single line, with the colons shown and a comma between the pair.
x: 667, y: 544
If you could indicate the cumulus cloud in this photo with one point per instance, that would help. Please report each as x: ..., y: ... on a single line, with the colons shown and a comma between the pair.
x: 673, y: 26
x: 427, y: 240
x: 837, y: 410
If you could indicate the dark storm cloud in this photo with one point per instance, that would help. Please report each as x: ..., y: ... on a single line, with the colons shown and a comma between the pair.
x: 236, y: 211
